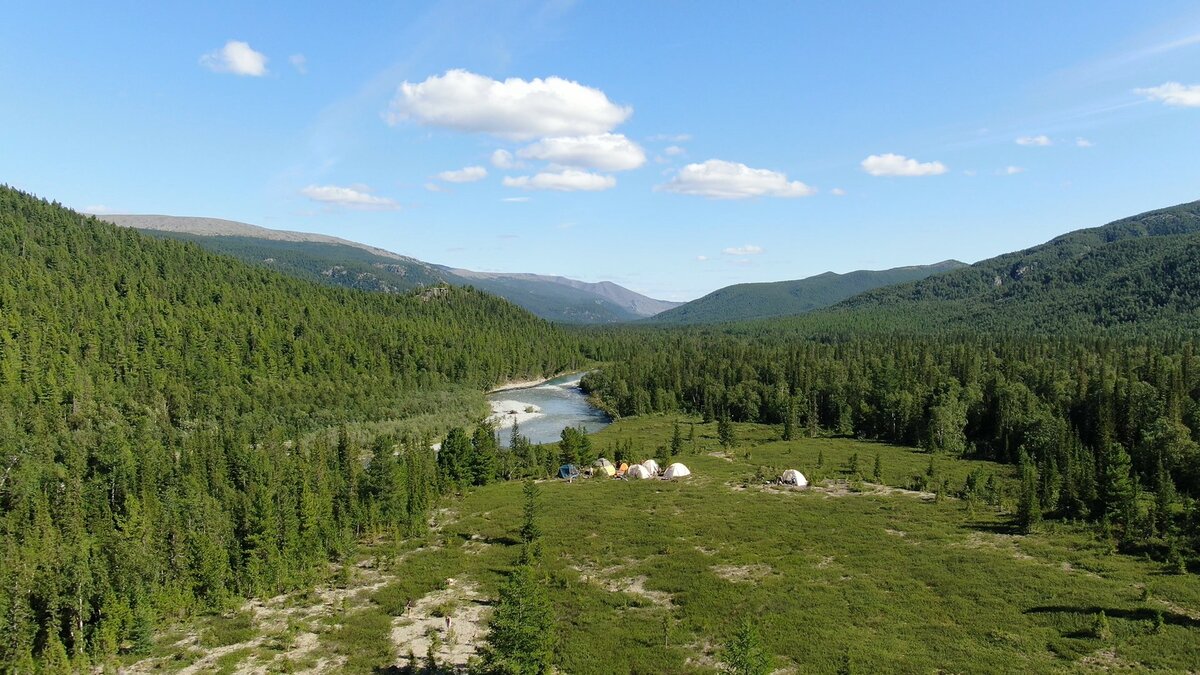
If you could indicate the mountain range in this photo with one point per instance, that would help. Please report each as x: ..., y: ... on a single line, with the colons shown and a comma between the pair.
x: 341, y: 262
x: 742, y: 302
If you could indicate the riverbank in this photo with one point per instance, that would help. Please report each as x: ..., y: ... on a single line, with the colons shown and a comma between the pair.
x: 505, y: 413
x: 526, y: 384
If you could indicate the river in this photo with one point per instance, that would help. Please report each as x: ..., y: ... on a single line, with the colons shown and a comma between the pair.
x: 557, y: 403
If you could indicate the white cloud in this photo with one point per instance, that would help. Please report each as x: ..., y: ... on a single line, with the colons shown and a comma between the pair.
x: 299, y: 62
x: 468, y: 174
x: 719, y: 179
x: 434, y: 187
x: 1173, y: 94
x: 350, y: 197
x: 1082, y: 142
x: 236, y: 57
x: 515, y: 108
x: 702, y: 258
x: 1011, y: 170
x: 670, y: 138
x: 503, y: 159
x: 606, y: 152
x: 515, y: 200
x: 838, y: 192
x: 674, y: 151
x: 1039, y: 141
x: 748, y: 249
x: 567, y: 180
x: 891, y: 164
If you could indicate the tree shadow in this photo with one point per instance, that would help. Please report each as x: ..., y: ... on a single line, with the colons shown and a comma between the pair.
x: 1140, y: 614
x: 994, y: 528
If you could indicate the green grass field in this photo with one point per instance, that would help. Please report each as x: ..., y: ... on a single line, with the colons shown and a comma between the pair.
x: 653, y: 577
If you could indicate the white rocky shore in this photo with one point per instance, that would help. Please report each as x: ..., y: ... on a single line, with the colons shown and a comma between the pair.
x: 506, y: 413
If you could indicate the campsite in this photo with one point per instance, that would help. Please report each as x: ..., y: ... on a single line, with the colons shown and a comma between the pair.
x: 654, y: 575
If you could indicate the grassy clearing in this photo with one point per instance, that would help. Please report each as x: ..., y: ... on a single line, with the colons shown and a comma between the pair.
x: 653, y: 577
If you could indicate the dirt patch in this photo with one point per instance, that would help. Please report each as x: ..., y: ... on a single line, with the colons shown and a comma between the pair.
x: 454, y: 642
x: 842, y: 488
x: 706, y: 551
x: 1107, y: 659
x: 612, y: 580
x: 1071, y: 569
x: 826, y: 561
x: 996, y: 542
x: 720, y: 454
x: 741, y: 573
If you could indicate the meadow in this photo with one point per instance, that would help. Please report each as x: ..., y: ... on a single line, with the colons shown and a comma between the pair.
x: 654, y: 576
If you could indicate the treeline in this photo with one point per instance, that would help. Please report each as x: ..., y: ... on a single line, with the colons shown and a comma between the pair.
x: 1105, y: 423
x: 161, y: 410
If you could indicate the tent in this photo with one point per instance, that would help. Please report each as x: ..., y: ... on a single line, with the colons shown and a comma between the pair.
x: 793, y: 477
x: 604, y: 467
x: 568, y: 471
x: 638, y: 471
x: 652, y: 467
x: 624, y: 467
x: 676, y: 470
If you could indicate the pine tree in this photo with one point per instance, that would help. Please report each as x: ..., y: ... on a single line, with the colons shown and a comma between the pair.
x: 1116, y: 498
x: 530, y: 532
x: 745, y: 655
x: 521, y: 633
x: 1029, y: 508
x: 725, y: 432
x: 676, y: 439
x: 877, y: 472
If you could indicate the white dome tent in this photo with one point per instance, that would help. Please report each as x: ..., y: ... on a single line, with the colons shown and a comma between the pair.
x: 638, y: 472
x: 676, y: 470
x: 652, y: 467
x: 793, y: 477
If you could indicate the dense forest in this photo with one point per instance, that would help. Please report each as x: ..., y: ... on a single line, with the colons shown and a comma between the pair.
x: 157, y: 410
x: 1104, y: 422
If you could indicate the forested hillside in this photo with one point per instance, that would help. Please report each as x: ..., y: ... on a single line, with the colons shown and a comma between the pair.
x: 339, y: 262
x: 741, y: 302
x: 155, y: 404
x: 1140, y: 273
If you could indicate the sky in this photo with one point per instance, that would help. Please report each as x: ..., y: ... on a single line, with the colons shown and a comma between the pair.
x: 671, y: 147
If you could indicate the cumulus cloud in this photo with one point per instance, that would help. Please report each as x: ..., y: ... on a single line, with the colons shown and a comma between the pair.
x: 748, y: 249
x: 299, y: 62
x: 349, y: 197
x: 566, y: 180
x: 891, y: 164
x: 1173, y: 94
x: 503, y: 159
x: 1082, y: 142
x: 1011, y: 170
x: 515, y: 108
x: 236, y: 57
x: 719, y: 179
x: 468, y: 174
x: 606, y: 152
x: 1038, y: 141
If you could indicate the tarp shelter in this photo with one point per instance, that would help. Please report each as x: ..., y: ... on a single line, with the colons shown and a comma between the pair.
x: 793, y: 477
x: 638, y: 471
x: 605, y: 467
x: 652, y: 466
x: 676, y: 470
x: 568, y: 471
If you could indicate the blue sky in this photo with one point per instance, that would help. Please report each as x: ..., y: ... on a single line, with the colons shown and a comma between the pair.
x: 672, y: 147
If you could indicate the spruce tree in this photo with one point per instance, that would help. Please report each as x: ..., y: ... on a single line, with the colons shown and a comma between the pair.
x: 521, y: 632
x: 745, y: 654
x: 1029, y: 508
